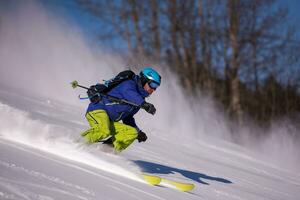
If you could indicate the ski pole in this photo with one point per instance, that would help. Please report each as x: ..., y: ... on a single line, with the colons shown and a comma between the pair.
x: 75, y: 85
x: 112, y: 98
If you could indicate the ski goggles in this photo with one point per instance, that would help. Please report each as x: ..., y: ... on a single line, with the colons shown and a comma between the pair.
x: 153, y: 85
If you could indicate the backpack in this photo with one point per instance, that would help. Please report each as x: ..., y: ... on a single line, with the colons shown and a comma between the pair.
x: 95, y: 91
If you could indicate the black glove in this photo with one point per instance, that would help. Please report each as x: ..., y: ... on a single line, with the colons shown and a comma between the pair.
x: 149, y: 107
x: 94, y: 92
x: 98, y: 88
x: 142, y: 137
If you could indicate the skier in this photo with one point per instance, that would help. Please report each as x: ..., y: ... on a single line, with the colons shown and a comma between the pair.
x: 104, y: 115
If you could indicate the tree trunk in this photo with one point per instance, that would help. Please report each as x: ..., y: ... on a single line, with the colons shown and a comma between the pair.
x: 172, y: 11
x: 126, y: 32
x: 137, y: 30
x: 155, y: 29
x: 235, y: 101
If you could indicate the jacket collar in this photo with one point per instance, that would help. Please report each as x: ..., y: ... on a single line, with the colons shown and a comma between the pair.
x: 141, y: 89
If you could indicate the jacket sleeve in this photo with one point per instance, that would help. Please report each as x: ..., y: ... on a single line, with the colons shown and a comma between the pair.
x: 131, y: 94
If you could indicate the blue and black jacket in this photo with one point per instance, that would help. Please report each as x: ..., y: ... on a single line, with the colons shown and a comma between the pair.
x: 130, y: 90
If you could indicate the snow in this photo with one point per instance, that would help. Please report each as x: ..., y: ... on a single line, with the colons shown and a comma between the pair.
x: 41, y: 153
x: 40, y: 158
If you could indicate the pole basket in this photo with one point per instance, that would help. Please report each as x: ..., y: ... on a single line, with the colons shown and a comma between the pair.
x: 74, y: 84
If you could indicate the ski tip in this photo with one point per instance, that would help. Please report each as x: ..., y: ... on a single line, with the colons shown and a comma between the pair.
x: 186, y: 187
x: 152, y: 180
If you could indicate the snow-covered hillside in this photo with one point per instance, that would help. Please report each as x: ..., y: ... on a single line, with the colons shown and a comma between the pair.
x: 41, y: 156
x: 41, y: 159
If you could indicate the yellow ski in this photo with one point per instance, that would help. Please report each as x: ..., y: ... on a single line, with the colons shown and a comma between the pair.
x: 156, y: 180
x: 152, y: 180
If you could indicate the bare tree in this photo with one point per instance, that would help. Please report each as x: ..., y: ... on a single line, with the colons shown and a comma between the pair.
x: 155, y: 28
x: 235, y: 102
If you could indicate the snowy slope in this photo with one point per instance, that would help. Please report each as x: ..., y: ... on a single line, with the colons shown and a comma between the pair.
x: 40, y: 159
x: 41, y: 120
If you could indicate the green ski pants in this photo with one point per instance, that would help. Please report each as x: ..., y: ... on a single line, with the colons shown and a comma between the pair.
x: 101, y: 128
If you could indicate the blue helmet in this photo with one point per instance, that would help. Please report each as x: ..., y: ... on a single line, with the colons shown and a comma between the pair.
x: 149, y: 75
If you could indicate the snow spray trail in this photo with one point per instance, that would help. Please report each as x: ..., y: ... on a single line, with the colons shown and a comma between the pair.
x: 42, y: 54
x: 18, y: 127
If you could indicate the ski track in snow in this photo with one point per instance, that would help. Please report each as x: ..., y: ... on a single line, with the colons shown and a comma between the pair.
x: 21, y: 189
x: 63, y: 183
x: 57, y: 181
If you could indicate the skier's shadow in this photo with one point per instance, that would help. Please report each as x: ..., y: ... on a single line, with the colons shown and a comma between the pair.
x: 154, y: 168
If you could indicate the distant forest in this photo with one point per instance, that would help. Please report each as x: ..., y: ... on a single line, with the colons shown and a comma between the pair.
x: 244, y: 52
